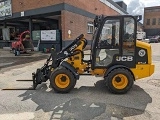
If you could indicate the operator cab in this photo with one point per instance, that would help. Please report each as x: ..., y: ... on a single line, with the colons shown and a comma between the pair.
x: 114, y: 41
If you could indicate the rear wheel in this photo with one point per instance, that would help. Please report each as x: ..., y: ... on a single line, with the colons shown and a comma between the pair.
x: 119, y: 81
x: 62, y: 80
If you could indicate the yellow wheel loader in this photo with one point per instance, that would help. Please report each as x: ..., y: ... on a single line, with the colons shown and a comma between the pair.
x: 115, y: 55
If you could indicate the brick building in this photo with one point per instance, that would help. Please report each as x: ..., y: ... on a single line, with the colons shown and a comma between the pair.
x: 152, y: 20
x: 70, y: 17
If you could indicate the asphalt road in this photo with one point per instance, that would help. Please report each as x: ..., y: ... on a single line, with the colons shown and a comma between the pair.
x: 89, y: 100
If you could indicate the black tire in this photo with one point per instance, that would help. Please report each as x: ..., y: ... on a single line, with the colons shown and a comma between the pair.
x: 119, y: 81
x: 13, y: 50
x: 57, y: 83
x: 16, y: 52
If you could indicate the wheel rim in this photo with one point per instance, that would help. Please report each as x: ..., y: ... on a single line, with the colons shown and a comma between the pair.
x: 62, y: 81
x: 120, y: 81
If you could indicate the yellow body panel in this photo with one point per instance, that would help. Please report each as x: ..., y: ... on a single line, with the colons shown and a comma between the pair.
x: 142, y: 71
x: 100, y: 72
x: 77, y: 63
x: 76, y: 60
x: 146, y: 46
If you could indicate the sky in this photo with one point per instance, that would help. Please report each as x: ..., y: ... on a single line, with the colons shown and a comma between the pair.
x: 136, y: 7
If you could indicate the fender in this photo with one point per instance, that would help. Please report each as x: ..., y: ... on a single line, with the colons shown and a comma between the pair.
x: 71, y: 68
x: 117, y: 66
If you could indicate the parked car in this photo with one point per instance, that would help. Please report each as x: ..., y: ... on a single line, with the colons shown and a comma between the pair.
x: 154, y: 39
x: 145, y: 40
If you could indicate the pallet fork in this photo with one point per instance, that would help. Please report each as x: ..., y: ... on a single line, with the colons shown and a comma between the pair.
x: 31, y: 88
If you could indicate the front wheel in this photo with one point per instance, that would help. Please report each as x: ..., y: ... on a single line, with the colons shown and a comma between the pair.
x: 62, y: 80
x: 119, y: 81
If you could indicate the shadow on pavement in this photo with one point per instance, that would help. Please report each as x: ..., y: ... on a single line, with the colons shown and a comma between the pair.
x: 12, y: 61
x: 89, y: 103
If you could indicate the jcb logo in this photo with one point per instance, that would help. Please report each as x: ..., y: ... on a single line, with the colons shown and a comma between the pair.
x: 73, y: 47
x: 124, y: 58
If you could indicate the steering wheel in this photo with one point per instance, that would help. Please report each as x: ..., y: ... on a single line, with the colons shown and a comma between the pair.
x: 103, y: 43
x: 128, y: 37
x: 131, y: 36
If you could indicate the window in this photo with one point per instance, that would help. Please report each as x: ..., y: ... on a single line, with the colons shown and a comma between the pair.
x: 148, y: 21
x: 154, y: 21
x: 128, y: 38
x: 110, y: 32
x: 108, y: 44
x: 90, y: 28
x: 159, y: 21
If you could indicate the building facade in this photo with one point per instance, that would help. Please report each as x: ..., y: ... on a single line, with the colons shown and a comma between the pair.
x: 152, y: 21
x: 70, y: 17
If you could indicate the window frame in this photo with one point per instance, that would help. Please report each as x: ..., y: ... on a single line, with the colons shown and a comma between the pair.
x: 154, y: 21
x: 90, y: 28
x: 158, y: 21
x: 129, y: 46
x: 148, y: 22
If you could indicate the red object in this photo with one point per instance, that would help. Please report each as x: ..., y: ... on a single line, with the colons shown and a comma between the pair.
x: 23, y: 43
